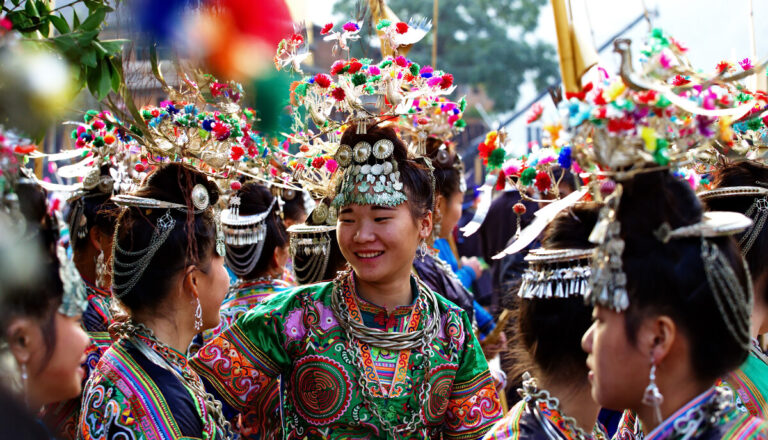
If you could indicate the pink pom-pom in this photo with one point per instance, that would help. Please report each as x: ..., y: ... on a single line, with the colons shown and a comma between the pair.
x: 331, y: 165
x: 235, y: 185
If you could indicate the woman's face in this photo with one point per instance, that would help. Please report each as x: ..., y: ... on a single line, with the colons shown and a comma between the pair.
x: 618, y: 371
x: 61, y: 376
x: 380, y: 242
x: 212, y: 287
x: 450, y: 209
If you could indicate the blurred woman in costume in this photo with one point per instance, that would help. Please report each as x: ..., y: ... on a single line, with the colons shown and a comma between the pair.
x: 743, y: 187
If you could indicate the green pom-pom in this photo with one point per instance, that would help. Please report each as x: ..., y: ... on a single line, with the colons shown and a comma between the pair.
x: 301, y: 89
x: 89, y: 115
x: 754, y: 124
x: 743, y: 97
x: 661, y: 144
x: 415, y: 69
x: 135, y: 130
x: 527, y: 176
x: 663, y: 102
x: 462, y: 104
x: 369, y: 89
x: 661, y: 156
x: 365, y: 61
x: 374, y: 78
x: 358, y: 79
x: 383, y: 23
x: 98, y: 142
x: 73, y: 135
x: 386, y: 63
x: 146, y: 114
x: 704, y: 181
x: 496, y: 158
x: 460, y: 123
x: 657, y: 33
x: 203, y: 134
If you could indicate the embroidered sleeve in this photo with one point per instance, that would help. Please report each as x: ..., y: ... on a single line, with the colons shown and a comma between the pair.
x: 243, y: 363
x: 473, y: 406
x: 107, y: 414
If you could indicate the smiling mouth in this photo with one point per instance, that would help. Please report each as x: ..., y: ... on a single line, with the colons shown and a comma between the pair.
x: 368, y: 255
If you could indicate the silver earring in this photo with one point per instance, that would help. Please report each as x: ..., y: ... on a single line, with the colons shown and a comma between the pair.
x: 422, y: 251
x: 24, y: 377
x: 198, y: 316
x: 652, y: 395
x: 101, y: 270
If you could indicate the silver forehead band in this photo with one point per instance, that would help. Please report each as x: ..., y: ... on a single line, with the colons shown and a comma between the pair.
x: 230, y: 217
x: 758, y: 211
x: 556, y: 273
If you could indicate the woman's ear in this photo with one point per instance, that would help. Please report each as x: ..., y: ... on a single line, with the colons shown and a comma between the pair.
x: 425, y: 226
x: 191, y: 281
x: 656, y: 336
x: 94, y: 236
x: 441, y: 204
x: 23, y: 336
x: 279, y: 259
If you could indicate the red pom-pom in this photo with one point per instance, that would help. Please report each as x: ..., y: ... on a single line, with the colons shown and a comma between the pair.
x: 327, y: 28
x: 423, y: 121
x: 501, y: 182
x: 519, y: 208
x: 297, y: 39
x: 318, y: 162
x: 322, y: 80
x: 446, y: 81
x: 680, y: 80
x: 338, y: 94
x: 543, y: 181
x: 304, y: 148
x: 354, y: 67
x: 236, y: 152
x: 235, y: 185
x: 140, y: 167
x: 401, y: 27
x: 336, y: 67
x: 155, y: 113
x: 401, y: 61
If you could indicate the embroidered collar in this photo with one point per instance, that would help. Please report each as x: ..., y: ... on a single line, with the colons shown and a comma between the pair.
x: 375, y: 309
x: 547, y: 409
x: 703, y: 411
x: 174, y: 357
x: 92, y: 289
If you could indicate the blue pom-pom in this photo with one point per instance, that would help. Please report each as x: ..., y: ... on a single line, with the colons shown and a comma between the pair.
x: 207, y: 124
x: 564, y: 159
x: 426, y: 75
x: 86, y: 137
x: 171, y: 109
x: 190, y: 109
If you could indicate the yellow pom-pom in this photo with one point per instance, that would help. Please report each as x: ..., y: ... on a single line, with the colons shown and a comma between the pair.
x: 615, y: 90
x: 649, y: 136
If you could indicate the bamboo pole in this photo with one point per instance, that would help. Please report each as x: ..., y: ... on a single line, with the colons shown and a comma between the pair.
x: 435, y: 8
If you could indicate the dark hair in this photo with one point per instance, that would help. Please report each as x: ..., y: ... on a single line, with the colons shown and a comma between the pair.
x: 293, y: 208
x: 336, y: 260
x: 447, y: 166
x: 255, y: 199
x: 549, y: 330
x: 191, y: 241
x: 669, y: 278
x: 744, y: 173
x: 416, y: 178
x: 99, y: 211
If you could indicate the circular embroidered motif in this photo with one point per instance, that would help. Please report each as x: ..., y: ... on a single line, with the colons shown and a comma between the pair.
x: 442, y: 382
x: 321, y: 389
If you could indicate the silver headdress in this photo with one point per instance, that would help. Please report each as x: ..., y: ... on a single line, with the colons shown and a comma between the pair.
x: 244, y: 231
x: 313, y: 242
x: 132, y: 264
x: 733, y: 302
x: 365, y: 184
x: 75, y: 297
x: 556, y: 273
x: 758, y: 211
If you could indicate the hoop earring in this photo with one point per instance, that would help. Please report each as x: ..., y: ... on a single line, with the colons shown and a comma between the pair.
x: 421, y: 252
x: 198, y: 316
x: 438, y: 218
x: 652, y: 395
x: 101, y: 270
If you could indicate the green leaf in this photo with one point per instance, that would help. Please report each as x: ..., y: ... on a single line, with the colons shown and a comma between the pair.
x: 60, y: 24
x: 30, y: 9
x: 75, y: 20
x: 105, y: 81
x: 85, y: 38
x: 88, y: 58
x: 113, y: 46
x: 15, y: 2
x: 115, y: 76
x: 42, y: 7
x: 94, y: 20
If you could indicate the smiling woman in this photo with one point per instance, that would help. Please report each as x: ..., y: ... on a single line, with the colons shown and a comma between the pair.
x: 375, y: 353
